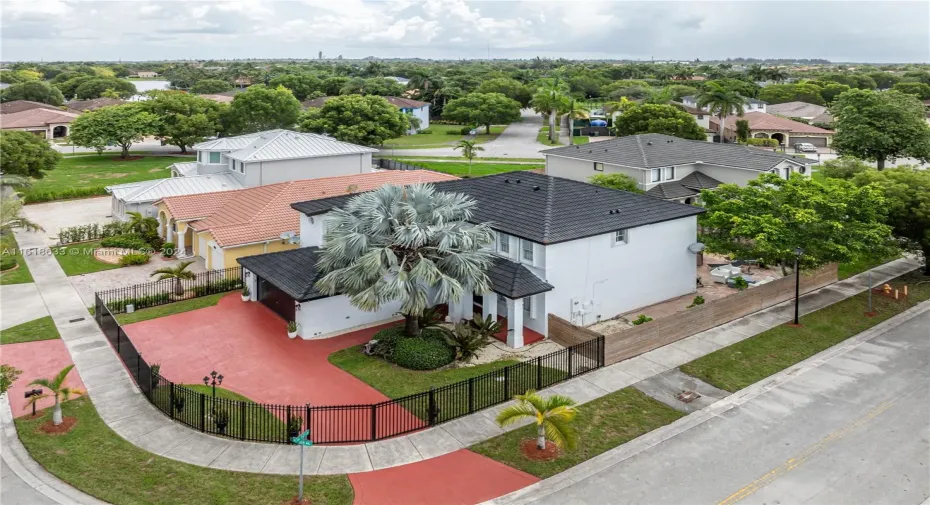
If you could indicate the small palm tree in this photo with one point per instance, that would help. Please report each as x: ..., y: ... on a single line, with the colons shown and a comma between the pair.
x: 721, y: 102
x: 551, y: 99
x: 553, y: 417
x: 57, y: 388
x: 469, y: 150
x: 140, y: 224
x: 10, y: 215
x: 177, y: 273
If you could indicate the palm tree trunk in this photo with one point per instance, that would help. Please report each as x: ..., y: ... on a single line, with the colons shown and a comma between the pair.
x: 540, y: 437
x: 56, y: 413
x: 412, y: 325
x: 552, y: 125
x: 178, y: 287
x: 722, y: 126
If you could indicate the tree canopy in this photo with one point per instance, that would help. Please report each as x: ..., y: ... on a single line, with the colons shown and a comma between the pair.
x: 36, y: 91
x: 96, y: 87
x: 918, y: 89
x: 366, y: 120
x: 119, y: 124
x: 882, y: 125
x: 483, y: 109
x: 510, y: 88
x: 183, y: 119
x: 302, y: 85
x: 834, y: 221
x: 260, y: 108
x: 616, y: 181
x: 649, y: 118
x: 210, y: 86
x: 26, y: 155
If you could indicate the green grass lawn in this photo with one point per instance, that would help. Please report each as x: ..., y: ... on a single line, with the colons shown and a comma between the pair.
x: 86, y: 176
x: 459, y: 158
x: 847, y: 270
x: 602, y: 424
x: 169, y: 309
x: 35, y: 330
x: 477, y: 169
x: 77, y: 259
x: 439, y: 137
x: 580, y: 140
x: 739, y: 365
x: 9, y: 247
x: 99, y: 462
x: 543, y: 136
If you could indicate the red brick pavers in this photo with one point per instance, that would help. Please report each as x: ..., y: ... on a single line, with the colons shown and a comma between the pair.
x: 458, y: 478
x: 38, y: 360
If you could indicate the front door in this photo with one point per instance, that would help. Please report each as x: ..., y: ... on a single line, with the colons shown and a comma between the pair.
x: 276, y: 300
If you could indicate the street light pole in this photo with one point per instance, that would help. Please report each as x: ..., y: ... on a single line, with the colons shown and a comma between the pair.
x: 797, y: 283
x: 213, y: 380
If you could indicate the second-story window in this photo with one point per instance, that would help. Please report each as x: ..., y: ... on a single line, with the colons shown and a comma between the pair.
x: 503, y: 243
x: 656, y: 174
x: 598, y: 167
x: 214, y: 157
x: 669, y: 173
x: 527, y: 253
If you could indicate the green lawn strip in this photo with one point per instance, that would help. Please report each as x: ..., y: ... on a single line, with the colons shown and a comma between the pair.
x: 9, y: 247
x: 86, y: 176
x: 543, y: 136
x: 99, y: 462
x: 477, y: 169
x: 439, y: 136
x: 602, y: 424
x: 170, y: 309
x: 847, y: 270
x: 38, y: 329
x: 459, y: 158
x: 77, y: 259
x: 580, y: 140
x: 739, y: 365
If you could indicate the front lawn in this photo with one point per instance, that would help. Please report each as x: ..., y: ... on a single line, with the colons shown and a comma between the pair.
x: 10, y: 249
x: 439, y: 136
x: 405, y: 158
x: 580, y: 140
x: 169, y: 309
x: 739, y: 365
x: 602, y: 424
x: 543, y: 136
x: 99, y: 462
x: 477, y: 169
x: 77, y: 259
x: 86, y: 176
x: 38, y: 329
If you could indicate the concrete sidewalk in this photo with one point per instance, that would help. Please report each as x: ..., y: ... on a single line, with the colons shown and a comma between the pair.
x: 128, y: 412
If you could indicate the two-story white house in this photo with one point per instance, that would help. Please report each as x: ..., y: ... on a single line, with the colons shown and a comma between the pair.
x: 669, y: 167
x: 575, y: 250
x: 751, y: 105
x: 245, y: 161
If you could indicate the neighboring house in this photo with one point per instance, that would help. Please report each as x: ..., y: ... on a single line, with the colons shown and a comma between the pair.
x: 257, y: 159
x: 408, y: 106
x: 24, y: 105
x: 146, y: 75
x: 222, y: 227
x: 669, y: 167
x: 563, y: 247
x: 141, y: 196
x: 766, y: 126
x: 752, y: 105
x: 94, y: 104
x: 48, y: 123
x: 702, y: 118
x: 809, y: 111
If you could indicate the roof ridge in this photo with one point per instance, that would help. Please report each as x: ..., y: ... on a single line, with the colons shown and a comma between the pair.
x: 642, y: 152
x: 547, y: 220
x: 275, y: 137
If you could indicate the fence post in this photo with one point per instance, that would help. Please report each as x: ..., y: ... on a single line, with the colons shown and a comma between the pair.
x: 431, y: 406
x: 287, y: 426
x: 538, y: 373
x: 571, y: 351
x: 506, y: 383
x: 203, y: 412
x: 374, y: 422
x: 118, y: 331
x: 241, y: 420
x: 171, y: 399
x: 308, y: 416
x: 601, y: 351
x: 471, y: 395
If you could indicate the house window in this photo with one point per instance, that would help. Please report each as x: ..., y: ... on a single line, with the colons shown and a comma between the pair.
x: 527, y: 250
x: 598, y: 167
x: 669, y: 173
x: 656, y: 174
x: 700, y: 116
x: 214, y: 157
x: 620, y: 237
x: 503, y: 243
x: 200, y: 156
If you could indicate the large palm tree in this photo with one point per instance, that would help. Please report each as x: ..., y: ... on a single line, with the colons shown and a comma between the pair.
x: 11, y: 208
x: 177, y: 273
x: 721, y: 102
x: 56, y: 387
x: 469, y: 150
x: 396, y: 244
x: 553, y: 416
x: 141, y: 224
x: 551, y: 98
x: 575, y: 110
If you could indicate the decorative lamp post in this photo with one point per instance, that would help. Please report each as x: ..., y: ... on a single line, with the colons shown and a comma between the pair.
x: 797, y: 283
x: 213, y: 380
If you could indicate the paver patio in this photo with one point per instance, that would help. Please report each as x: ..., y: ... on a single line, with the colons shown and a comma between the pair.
x: 37, y: 360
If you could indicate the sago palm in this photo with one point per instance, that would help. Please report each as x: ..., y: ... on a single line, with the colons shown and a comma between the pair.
x: 469, y: 149
x: 56, y: 387
x: 397, y: 244
x: 721, y: 102
x: 177, y: 273
x: 553, y: 416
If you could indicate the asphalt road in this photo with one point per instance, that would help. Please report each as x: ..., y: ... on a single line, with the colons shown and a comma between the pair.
x: 855, y: 430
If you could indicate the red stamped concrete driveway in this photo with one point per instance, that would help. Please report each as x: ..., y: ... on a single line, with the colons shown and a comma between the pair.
x: 37, y: 360
x: 248, y: 344
x: 458, y: 478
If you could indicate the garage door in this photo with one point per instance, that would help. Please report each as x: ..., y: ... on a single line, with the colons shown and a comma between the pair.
x: 276, y: 300
x: 817, y: 141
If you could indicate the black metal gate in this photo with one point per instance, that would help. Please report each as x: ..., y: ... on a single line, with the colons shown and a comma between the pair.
x: 276, y: 300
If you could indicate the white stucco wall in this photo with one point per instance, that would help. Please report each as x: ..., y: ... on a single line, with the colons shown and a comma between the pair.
x: 328, y: 317
x: 311, y: 230
x: 423, y: 115
x: 729, y: 175
x: 653, y: 265
x: 583, y: 170
x: 271, y: 172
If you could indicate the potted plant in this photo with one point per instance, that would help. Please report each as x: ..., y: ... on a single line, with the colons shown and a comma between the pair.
x: 222, y: 420
x: 245, y: 293
x: 293, y: 427
x: 292, y: 329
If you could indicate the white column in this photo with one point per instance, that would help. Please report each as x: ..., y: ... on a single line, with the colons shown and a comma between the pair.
x: 467, y: 306
x: 489, y: 302
x: 162, y: 226
x: 515, y: 323
x: 182, y: 251
x: 169, y: 233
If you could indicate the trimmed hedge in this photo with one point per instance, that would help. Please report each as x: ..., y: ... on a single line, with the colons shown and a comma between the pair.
x: 139, y: 258
x: 90, y: 232
x: 421, y: 353
x: 38, y: 196
x: 218, y: 287
x: 140, y: 302
x: 128, y: 241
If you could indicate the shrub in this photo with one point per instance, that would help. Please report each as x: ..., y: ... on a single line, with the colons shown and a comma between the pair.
x: 49, y: 195
x: 740, y: 283
x: 168, y: 249
x: 90, y: 232
x: 425, y: 131
x: 466, y: 130
x: 643, y: 318
x: 698, y: 300
x: 387, y: 339
x: 762, y: 142
x: 466, y: 340
x: 127, y: 241
x: 140, y: 258
x: 422, y: 353
x: 7, y: 262
x: 453, y: 132
x: 218, y: 287
x: 139, y: 302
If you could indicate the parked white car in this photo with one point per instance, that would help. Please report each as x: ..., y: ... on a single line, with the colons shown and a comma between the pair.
x: 805, y: 147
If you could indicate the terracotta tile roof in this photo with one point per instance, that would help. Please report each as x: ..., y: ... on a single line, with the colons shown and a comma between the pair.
x: 36, y: 118
x: 763, y: 121
x: 23, y: 105
x: 263, y: 213
x: 396, y: 101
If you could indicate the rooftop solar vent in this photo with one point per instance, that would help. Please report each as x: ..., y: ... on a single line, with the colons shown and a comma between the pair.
x: 535, y: 188
x: 506, y: 181
x: 649, y: 143
x: 518, y: 181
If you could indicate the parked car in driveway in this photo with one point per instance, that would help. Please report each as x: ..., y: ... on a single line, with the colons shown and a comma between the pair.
x: 805, y: 147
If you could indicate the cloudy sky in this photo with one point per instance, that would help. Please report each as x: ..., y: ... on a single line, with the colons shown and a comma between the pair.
x: 883, y: 31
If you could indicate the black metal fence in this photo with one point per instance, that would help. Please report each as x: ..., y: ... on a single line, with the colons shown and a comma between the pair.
x: 389, y: 164
x: 153, y: 294
x: 333, y: 424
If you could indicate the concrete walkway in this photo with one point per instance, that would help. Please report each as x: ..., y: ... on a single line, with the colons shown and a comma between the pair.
x: 21, y: 304
x: 122, y: 406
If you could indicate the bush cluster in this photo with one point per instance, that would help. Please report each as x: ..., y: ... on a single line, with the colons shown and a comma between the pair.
x: 422, y: 353
x: 762, y: 142
x: 90, y: 232
x: 218, y: 287
x: 139, y: 258
x: 49, y: 195
x: 7, y: 262
x: 127, y: 241
x: 425, y: 131
x: 139, y: 302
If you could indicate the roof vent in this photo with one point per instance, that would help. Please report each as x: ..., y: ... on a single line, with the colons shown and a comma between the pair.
x: 669, y: 141
x: 518, y: 181
x: 611, y: 211
x: 506, y: 181
x: 649, y: 143
x: 535, y: 188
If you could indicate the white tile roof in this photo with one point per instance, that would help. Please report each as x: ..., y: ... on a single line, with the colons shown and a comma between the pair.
x: 285, y: 145
x: 185, y: 169
x: 150, y: 191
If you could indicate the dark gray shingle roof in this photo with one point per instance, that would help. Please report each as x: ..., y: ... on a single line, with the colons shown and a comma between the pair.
x: 689, y: 185
x: 653, y: 150
x: 514, y: 280
x: 545, y: 209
